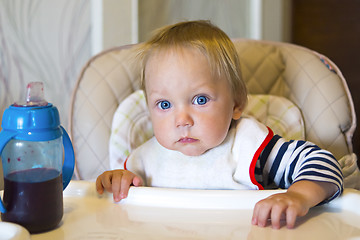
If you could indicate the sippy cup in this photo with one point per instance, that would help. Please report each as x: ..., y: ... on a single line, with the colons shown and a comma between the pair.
x: 32, y: 148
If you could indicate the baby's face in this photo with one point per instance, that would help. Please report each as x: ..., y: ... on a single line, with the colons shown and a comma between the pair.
x: 190, y: 111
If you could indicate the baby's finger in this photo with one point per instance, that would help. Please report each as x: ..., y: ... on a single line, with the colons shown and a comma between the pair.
x: 262, y: 214
x: 137, y: 182
x: 105, y: 180
x: 263, y: 217
x: 125, y: 184
x: 255, y: 215
x: 116, y: 185
x: 276, y: 213
x: 99, y: 186
x: 291, y: 215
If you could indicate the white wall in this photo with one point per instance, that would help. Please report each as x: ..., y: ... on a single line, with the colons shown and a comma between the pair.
x: 114, y: 23
x: 46, y: 41
x: 256, y: 19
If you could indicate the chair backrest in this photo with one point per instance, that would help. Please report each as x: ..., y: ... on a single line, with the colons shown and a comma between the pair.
x: 308, y: 79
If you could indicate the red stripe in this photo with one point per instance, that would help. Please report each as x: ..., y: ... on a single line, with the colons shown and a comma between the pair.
x: 256, y: 157
x: 125, y: 163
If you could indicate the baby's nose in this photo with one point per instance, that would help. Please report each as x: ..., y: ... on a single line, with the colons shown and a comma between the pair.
x: 184, y: 119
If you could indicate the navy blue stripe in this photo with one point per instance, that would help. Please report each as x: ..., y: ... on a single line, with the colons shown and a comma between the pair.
x: 264, y: 157
x: 292, y: 168
x: 317, y: 174
x: 324, y: 160
x: 293, y: 164
x: 300, y: 143
x: 322, y: 167
x: 282, y: 182
x: 267, y: 150
x: 330, y: 155
x: 314, y: 148
x: 277, y: 160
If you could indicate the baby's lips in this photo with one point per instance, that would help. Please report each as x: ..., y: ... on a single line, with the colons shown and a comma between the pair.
x: 187, y: 140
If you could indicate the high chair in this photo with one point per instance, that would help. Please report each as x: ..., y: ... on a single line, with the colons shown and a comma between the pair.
x: 279, y: 77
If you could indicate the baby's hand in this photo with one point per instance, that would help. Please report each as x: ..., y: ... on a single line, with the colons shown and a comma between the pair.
x: 297, y: 201
x: 117, y: 182
x: 283, y: 206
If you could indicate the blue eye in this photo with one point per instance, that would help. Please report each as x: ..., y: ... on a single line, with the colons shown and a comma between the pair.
x: 200, y: 100
x: 164, y: 104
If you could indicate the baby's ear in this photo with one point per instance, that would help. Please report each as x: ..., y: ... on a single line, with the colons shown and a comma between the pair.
x: 237, y: 111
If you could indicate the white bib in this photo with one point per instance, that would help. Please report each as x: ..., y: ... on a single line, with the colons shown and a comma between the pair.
x: 226, y: 166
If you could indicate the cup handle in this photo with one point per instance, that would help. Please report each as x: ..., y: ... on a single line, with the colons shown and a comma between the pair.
x: 69, y: 161
x: 5, y: 136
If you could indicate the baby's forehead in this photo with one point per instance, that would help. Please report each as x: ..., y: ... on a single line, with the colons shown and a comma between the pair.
x: 160, y: 54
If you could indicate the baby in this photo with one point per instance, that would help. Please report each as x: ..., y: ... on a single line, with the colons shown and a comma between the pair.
x: 196, y: 96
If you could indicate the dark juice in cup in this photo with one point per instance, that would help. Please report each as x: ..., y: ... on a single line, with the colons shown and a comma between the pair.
x: 33, y: 198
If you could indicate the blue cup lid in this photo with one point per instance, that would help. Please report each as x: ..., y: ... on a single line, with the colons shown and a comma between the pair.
x: 32, y: 123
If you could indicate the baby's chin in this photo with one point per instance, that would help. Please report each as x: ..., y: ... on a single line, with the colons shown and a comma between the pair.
x: 189, y: 150
x: 192, y: 152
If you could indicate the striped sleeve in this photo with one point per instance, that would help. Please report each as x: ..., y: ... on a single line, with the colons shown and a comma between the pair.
x: 284, y: 162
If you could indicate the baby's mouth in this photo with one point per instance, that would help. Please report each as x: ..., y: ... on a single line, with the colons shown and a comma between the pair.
x: 187, y: 140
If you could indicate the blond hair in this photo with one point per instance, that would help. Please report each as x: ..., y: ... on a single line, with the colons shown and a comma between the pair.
x: 210, y: 41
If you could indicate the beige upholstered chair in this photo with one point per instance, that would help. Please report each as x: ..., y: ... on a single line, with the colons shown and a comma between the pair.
x: 308, y: 79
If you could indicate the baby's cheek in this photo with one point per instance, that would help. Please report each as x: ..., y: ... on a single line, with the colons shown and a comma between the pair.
x: 164, y: 139
x: 216, y: 135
